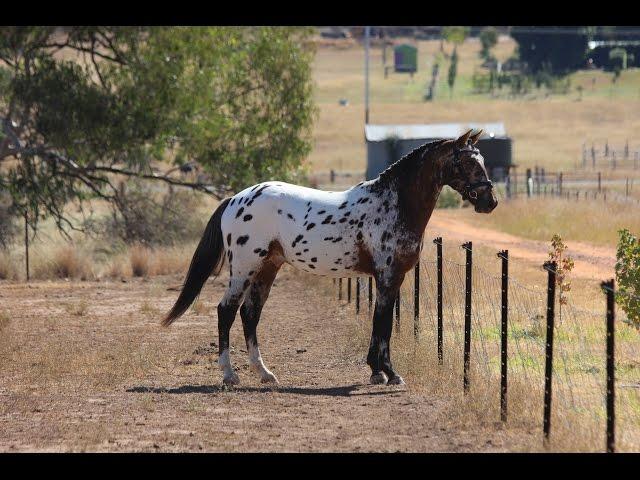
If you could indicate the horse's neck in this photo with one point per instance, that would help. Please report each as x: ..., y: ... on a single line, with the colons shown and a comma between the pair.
x: 418, y: 191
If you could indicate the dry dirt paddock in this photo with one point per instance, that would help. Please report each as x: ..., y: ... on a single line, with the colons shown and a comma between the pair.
x: 85, y: 367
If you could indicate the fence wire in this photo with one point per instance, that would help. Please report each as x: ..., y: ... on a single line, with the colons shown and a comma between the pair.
x: 579, y: 355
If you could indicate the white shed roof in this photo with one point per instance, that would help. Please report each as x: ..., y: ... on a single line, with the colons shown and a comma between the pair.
x: 378, y: 133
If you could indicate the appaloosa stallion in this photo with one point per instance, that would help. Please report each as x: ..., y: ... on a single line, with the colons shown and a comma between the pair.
x: 375, y: 228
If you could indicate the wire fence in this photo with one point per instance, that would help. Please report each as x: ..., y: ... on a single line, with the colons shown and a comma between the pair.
x: 554, y: 379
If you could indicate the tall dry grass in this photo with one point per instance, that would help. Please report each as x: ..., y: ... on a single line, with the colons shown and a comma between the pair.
x: 67, y: 261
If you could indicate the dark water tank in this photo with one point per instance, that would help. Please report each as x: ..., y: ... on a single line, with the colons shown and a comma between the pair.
x: 497, y: 156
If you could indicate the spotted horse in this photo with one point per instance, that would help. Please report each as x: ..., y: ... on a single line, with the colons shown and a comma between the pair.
x: 375, y: 229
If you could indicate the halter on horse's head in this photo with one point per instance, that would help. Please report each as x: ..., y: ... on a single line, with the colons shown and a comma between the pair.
x: 468, y: 176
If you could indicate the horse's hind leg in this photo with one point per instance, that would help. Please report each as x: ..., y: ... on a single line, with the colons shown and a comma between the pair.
x: 250, y: 313
x: 227, y: 309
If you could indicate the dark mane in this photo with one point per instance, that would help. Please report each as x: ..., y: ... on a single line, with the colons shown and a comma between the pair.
x: 409, y: 161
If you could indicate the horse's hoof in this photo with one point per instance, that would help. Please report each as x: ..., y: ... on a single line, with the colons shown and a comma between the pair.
x: 379, y: 378
x: 397, y: 380
x: 233, y: 379
x: 269, y: 378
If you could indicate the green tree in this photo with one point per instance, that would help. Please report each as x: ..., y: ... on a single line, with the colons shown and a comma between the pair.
x: 488, y: 40
x: 561, y: 51
x: 628, y: 276
x: 455, y: 35
x: 83, y: 107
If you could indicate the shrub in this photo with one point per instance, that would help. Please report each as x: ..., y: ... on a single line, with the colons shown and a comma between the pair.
x: 66, y: 262
x: 628, y: 276
x: 8, y: 226
x: 449, y: 198
x: 140, y: 260
x: 144, y: 216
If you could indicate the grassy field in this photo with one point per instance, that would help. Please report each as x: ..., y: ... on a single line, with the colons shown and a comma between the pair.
x: 546, y: 131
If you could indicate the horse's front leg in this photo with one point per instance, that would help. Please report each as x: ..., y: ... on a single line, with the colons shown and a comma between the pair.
x: 379, y: 357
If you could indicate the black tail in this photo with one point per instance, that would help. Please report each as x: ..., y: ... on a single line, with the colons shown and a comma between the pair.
x: 207, y: 259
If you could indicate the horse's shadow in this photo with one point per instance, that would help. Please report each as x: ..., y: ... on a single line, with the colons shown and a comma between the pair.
x: 341, y: 391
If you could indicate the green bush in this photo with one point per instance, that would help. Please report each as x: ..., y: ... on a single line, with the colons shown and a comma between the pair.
x: 449, y: 198
x: 628, y: 276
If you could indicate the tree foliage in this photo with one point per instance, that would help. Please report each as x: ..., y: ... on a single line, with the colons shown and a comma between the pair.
x: 488, y: 40
x: 628, y: 276
x: 455, y: 34
x: 559, y: 53
x: 83, y: 107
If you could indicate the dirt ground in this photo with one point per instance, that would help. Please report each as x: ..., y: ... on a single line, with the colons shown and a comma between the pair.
x: 86, y: 367
x: 591, y: 261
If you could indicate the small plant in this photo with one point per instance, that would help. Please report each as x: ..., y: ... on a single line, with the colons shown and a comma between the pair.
x: 628, y: 276
x: 4, y: 321
x: 77, y: 309
x: 564, y: 265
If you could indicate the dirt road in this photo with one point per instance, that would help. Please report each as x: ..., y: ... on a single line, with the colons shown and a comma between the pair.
x: 85, y: 367
x: 591, y: 261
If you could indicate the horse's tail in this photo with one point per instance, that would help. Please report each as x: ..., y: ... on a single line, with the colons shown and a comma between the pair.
x: 207, y: 259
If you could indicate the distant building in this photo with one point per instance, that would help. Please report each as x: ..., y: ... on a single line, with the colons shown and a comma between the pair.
x: 388, y: 143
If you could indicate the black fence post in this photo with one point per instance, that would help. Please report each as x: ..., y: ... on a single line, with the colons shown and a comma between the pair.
x: 340, y: 289
x: 467, y: 314
x: 370, y: 292
x: 416, y: 299
x: 548, y: 368
x: 611, y: 372
x: 438, y: 242
x: 398, y: 309
x: 349, y: 290
x: 504, y: 255
x: 357, y: 295
x: 26, y: 243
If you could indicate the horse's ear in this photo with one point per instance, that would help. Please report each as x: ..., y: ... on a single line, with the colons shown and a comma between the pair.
x: 463, y: 139
x: 476, y: 137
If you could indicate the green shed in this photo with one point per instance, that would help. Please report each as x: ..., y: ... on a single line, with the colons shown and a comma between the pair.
x: 405, y: 58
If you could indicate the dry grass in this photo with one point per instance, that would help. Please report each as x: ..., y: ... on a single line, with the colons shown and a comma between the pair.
x: 67, y: 261
x: 140, y: 260
x: 5, y: 320
x: 8, y: 270
x: 592, y: 221
x: 548, y: 132
x: 77, y: 309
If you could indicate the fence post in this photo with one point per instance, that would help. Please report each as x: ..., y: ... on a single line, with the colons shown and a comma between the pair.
x: 467, y: 314
x: 599, y: 181
x: 340, y: 289
x: 357, y: 295
x: 438, y: 242
x: 26, y: 242
x: 504, y: 255
x: 349, y: 290
x: 548, y: 368
x: 416, y: 299
x: 370, y: 292
x: 626, y: 190
x: 398, y: 310
x: 611, y: 417
x: 560, y: 184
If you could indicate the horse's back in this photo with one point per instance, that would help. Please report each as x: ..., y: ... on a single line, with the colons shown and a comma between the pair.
x: 304, y: 222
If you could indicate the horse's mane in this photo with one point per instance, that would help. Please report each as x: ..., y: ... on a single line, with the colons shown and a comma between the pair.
x: 408, y: 162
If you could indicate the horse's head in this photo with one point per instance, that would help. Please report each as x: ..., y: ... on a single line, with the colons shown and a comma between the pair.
x: 467, y: 174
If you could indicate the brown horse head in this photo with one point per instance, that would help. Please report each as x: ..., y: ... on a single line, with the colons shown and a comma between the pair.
x: 467, y: 174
